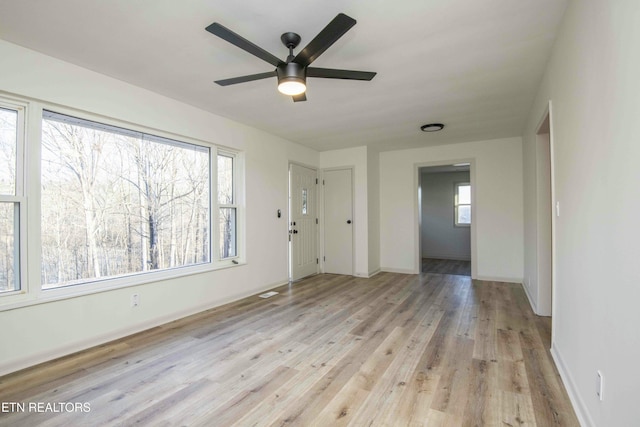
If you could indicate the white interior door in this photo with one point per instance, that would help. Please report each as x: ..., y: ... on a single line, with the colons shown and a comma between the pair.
x: 303, y: 255
x: 338, y: 221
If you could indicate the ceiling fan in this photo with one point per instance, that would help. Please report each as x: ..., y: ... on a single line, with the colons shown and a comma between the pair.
x: 292, y: 73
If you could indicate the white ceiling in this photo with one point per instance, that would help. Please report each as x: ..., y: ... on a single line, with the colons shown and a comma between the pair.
x: 474, y: 65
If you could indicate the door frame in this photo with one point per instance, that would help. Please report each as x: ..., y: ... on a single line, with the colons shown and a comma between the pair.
x: 321, y: 230
x: 550, y: 290
x: 417, y: 210
x: 289, y: 253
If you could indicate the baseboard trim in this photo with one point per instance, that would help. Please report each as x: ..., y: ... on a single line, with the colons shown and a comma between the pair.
x: 67, y: 350
x: 500, y: 279
x: 531, y: 303
x: 374, y: 272
x: 578, y: 405
x: 367, y: 275
x: 398, y: 270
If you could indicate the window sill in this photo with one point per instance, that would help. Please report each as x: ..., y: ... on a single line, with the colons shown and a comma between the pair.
x: 20, y: 299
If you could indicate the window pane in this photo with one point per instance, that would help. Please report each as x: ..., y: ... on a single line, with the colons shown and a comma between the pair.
x: 464, y: 194
x: 304, y: 201
x: 8, y: 146
x: 225, y: 180
x: 117, y: 203
x: 9, y: 247
x: 464, y: 214
x: 227, y: 233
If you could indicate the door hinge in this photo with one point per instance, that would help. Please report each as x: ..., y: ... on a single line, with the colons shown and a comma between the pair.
x: 317, y: 261
x: 316, y: 220
x: 324, y: 258
x: 323, y: 182
x: 316, y: 180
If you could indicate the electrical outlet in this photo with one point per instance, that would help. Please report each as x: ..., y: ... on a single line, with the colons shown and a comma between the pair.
x: 599, y: 385
x: 135, y: 300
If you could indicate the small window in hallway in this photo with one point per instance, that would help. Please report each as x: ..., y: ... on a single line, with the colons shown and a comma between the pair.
x: 463, y: 204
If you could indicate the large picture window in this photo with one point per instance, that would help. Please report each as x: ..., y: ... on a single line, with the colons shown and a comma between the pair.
x: 116, y: 202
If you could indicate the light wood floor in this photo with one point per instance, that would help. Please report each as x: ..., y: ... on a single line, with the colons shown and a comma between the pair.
x: 393, y: 350
x: 446, y: 266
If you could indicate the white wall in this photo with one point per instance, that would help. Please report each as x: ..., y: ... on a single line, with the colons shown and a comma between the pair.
x: 496, y: 172
x: 592, y: 82
x: 373, y: 181
x: 440, y: 236
x: 40, y: 332
x: 356, y: 158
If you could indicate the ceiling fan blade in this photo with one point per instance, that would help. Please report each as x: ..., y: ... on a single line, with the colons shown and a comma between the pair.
x: 331, y: 73
x: 244, y: 44
x: 301, y: 97
x: 243, y: 79
x: 328, y: 36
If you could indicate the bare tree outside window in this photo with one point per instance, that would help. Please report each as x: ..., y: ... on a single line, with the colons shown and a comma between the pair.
x: 117, y: 202
x: 8, y: 147
x: 9, y: 210
x: 227, y: 210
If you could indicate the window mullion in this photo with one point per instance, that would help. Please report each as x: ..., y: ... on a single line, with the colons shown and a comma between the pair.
x: 215, y: 211
x: 32, y: 254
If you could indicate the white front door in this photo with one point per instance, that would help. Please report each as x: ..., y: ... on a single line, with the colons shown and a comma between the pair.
x: 338, y: 222
x: 303, y: 248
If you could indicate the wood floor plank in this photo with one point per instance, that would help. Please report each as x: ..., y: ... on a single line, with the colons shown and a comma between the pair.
x: 516, y: 409
x: 452, y: 393
x: 483, y: 395
x: 512, y: 376
x: 314, y: 370
x: 340, y: 410
x: 395, y: 386
x: 550, y: 403
x: 394, y: 350
x: 446, y: 266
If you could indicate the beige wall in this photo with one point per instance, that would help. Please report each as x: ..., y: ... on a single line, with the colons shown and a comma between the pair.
x: 593, y: 85
x: 496, y: 175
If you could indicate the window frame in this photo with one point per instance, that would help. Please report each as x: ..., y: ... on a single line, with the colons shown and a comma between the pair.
x: 29, y: 181
x: 457, y: 204
x: 217, y: 206
x: 18, y: 199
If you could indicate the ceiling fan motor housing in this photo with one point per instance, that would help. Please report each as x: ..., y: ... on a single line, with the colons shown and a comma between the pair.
x: 291, y: 72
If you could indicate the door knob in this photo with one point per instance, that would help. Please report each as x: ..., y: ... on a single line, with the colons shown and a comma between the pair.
x: 348, y: 221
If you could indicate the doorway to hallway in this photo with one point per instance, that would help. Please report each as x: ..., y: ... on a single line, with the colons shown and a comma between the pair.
x: 445, y: 219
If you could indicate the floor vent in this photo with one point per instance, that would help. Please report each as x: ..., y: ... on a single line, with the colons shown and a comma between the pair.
x: 268, y: 294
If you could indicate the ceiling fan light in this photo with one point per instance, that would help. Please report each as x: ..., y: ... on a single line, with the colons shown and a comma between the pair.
x: 291, y: 86
x: 291, y: 79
